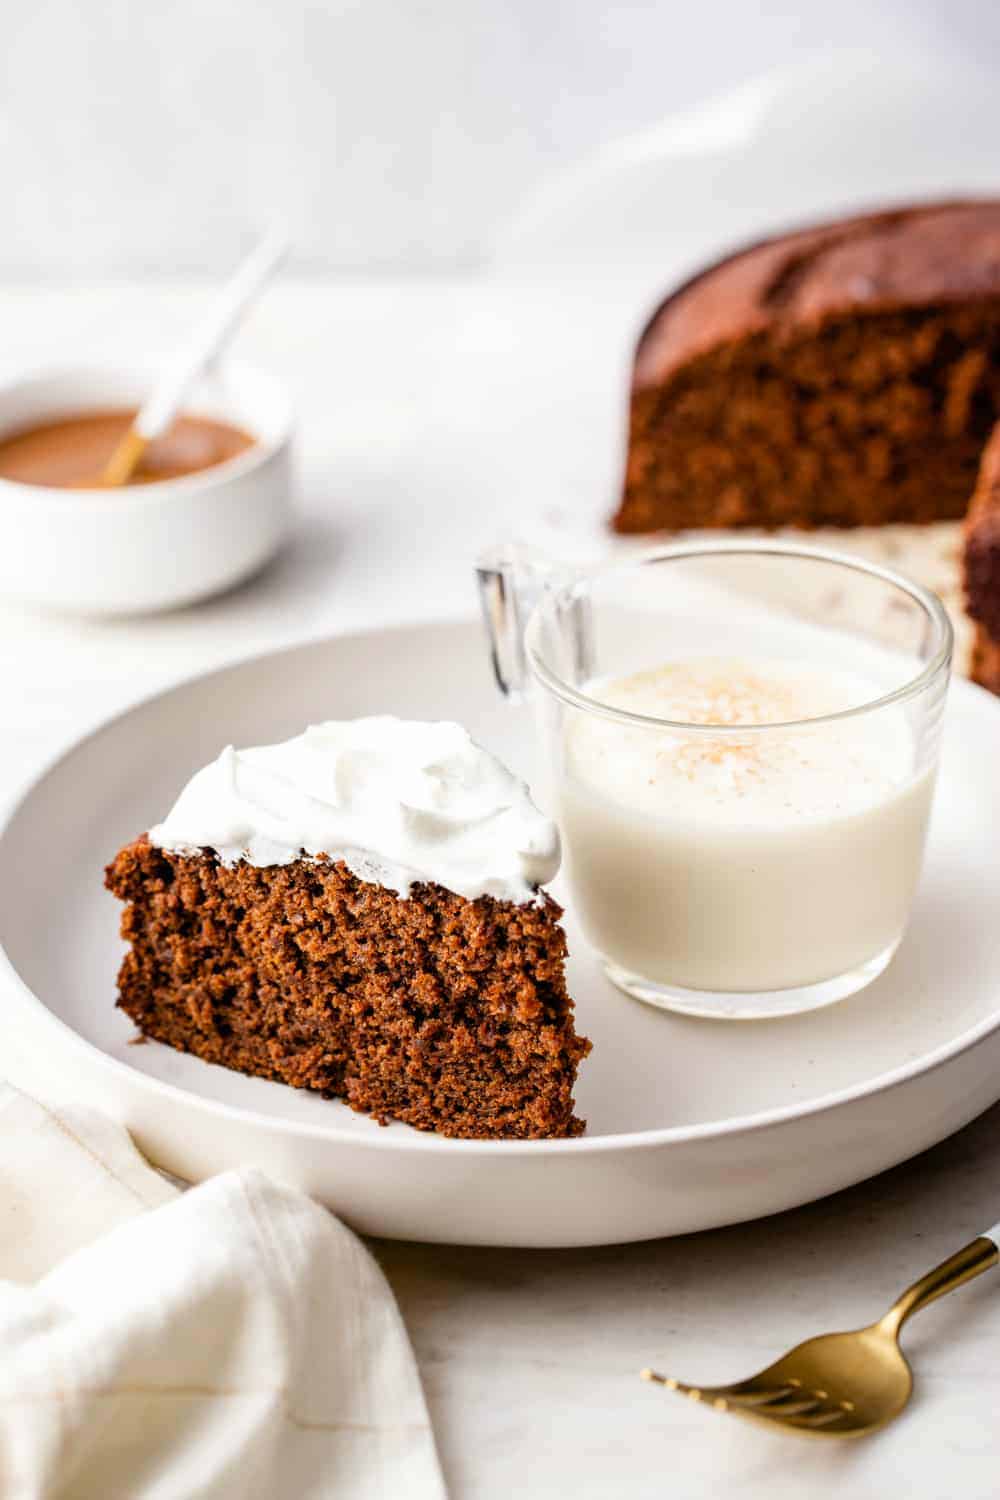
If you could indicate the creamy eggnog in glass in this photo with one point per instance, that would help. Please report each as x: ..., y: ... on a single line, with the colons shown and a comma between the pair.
x: 743, y: 739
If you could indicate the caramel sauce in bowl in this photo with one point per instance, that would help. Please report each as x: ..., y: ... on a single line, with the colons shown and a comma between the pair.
x: 71, y: 452
x: 207, y: 507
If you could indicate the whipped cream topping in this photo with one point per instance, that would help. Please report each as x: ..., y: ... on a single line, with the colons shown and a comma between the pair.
x: 397, y: 800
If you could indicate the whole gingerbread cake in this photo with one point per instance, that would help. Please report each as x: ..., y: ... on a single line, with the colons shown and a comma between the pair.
x: 845, y: 375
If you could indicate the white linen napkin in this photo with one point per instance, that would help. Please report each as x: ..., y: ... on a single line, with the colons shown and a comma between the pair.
x: 232, y: 1341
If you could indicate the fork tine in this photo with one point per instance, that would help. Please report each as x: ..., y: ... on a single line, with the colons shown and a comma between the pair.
x: 783, y: 1406
x: 754, y: 1397
x: 796, y: 1408
x: 823, y: 1418
x: 785, y: 1398
x: 787, y: 1401
x: 717, y: 1396
x: 745, y: 1394
x: 696, y: 1392
x: 680, y: 1386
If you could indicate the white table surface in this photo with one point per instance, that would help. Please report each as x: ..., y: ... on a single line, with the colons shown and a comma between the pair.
x: 431, y: 414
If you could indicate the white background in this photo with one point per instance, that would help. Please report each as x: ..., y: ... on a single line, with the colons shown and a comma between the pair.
x: 154, y: 136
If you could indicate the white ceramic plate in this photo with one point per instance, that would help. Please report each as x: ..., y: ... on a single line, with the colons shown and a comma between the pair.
x: 690, y: 1123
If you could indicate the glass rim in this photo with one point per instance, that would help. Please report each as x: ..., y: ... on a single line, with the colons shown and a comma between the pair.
x: 932, y: 606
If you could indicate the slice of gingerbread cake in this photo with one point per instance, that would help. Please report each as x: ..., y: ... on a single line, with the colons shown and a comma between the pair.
x: 359, y: 911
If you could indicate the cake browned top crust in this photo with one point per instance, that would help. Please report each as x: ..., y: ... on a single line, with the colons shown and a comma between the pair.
x: 918, y: 256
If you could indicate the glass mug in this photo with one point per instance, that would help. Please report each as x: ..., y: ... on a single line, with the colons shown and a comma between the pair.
x: 743, y: 739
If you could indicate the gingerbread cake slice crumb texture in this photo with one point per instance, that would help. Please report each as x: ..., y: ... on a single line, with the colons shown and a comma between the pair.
x: 446, y: 1011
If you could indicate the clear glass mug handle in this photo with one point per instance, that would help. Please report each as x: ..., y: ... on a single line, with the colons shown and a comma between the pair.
x: 513, y: 578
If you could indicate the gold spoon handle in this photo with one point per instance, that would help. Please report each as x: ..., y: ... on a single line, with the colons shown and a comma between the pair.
x: 972, y: 1260
x: 124, y: 460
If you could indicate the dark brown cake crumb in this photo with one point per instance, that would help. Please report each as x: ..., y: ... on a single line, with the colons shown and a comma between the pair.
x: 982, y: 543
x: 986, y: 661
x: 448, y: 1014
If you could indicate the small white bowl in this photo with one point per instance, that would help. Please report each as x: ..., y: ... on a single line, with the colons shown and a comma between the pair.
x: 151, y: 546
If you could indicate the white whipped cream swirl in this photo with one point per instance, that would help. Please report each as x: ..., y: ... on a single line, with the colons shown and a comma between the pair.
x: 397, y: 800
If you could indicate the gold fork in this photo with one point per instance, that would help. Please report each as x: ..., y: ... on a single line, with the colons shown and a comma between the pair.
x: 843, y: 1384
